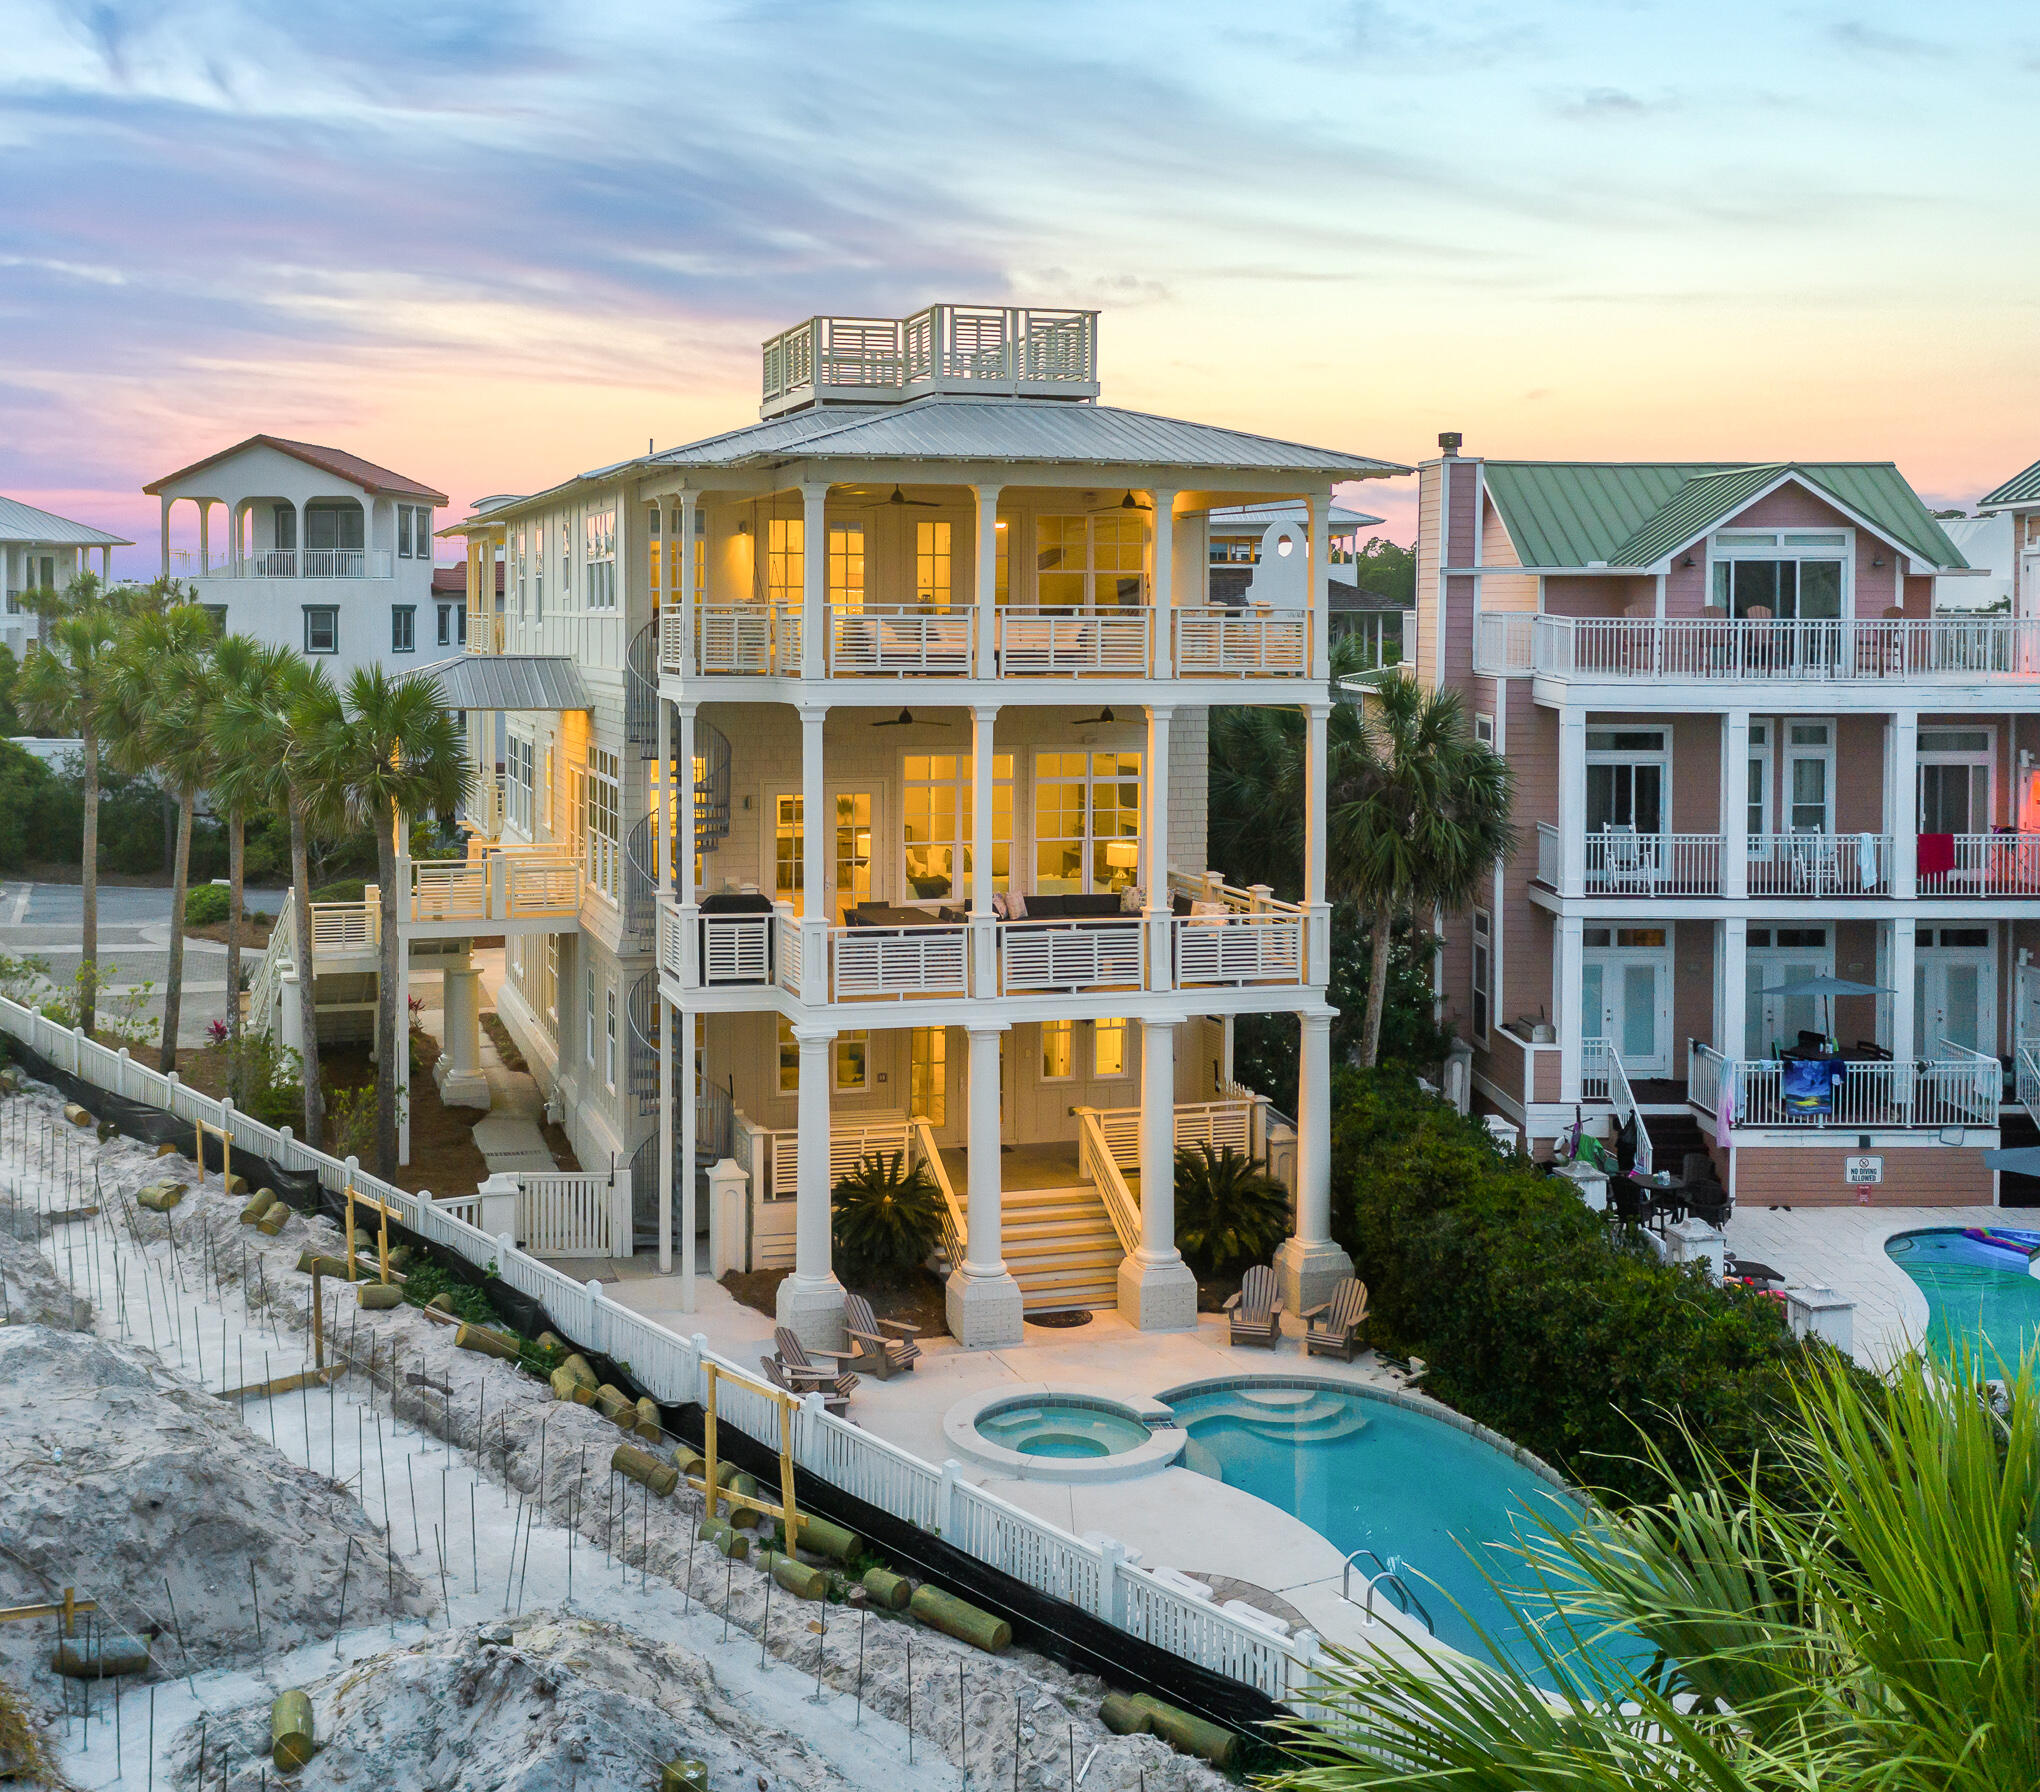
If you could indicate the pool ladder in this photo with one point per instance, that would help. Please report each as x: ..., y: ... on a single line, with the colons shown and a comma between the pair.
x: 1390, y: 1577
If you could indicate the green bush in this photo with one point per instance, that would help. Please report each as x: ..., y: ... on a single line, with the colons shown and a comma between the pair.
x: 350, y: 889
x: 427, y: 1281
x: 1229, y: 1211
x: 887, y: 1218
x: 206, y: 905
x: 1535, y: 1315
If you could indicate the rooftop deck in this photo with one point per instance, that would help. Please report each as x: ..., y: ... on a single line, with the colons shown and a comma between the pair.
x: 980, y: 349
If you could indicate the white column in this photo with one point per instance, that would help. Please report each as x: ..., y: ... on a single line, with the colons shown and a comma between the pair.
x: 1320, y: 562
x: 1572, y: 800
x: 816, y: 832
x: 668, y: 1095
x: 458, y: 1072
x: 981, y: 1297
x: 814, y: 586
x: 204, y: 535
x: 1157, y: 1292
x: 1155, y: 846
x: 1735, y: 804
x: 983, y: 924
x: 1905, y: 1041
x: 679, y: 848
x: 1308, y: 1264
x: 403, y: 1040
x: 690, y: 1143
x: 810, y: 1300
x: 1733, y: 1024
x: 1567, y: 969
x: 166, y: 536
x: 986, y: 594
x: 1318, y: 924
x: 1902, y: 812
x: 1164, y: 502
x: 683, y: 599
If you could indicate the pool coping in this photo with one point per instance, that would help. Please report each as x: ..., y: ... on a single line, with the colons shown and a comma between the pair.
x: 1163, y: 1447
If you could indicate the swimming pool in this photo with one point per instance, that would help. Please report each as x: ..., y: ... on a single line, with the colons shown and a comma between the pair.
x: 1979, y: 1296
x: 1367, y: 1473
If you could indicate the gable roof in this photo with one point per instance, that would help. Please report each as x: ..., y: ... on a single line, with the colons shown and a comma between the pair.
x: 379, y: 481
x: 1634, y: 514
x: 23, y: 522
x: 2021, y: 488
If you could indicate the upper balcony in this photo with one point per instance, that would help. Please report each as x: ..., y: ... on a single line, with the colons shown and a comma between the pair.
x: 285, y: 563
x: 997, y: 350
x: 1619, y: 651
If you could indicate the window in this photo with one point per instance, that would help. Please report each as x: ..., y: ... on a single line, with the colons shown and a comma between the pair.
x: 588, y: 1033
x: 853, y: 1062
x: 1484, y: 730
x: 1954, y: 780
x: 932, y: 587
x: 787, y: 861
x: 1792, y: 574
x: 1626, y: 774
x: 785, y: 558
x: 846, y: 568
x: 1084, y: 562
x: 929, y: 1075
x: 936, y: 829
x: 549, y: 988
x: 609, y: 1059
x: 1108, y: 1047
x: 217, y: 614
x: 1057, y: 1058
x: 332, y: 529
x: 1483, y: 971
x: 538, y: 571
x: 1809, y: 759
x: 403, y: 628
x: 1086, y: 822
x: 518, y: 785
x: 598, y: 559
x: 604, y: 809
x: 414, y: 532
x: 446, y: 615
x: 403, y: 531
x: 789, y: 1059
x: 322, y: 628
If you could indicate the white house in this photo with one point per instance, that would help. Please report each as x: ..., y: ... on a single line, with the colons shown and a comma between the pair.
x: 40, y: 551
x: 309, y: 547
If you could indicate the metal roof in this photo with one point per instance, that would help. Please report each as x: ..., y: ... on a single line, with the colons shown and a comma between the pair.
x: 1245, y: 517
x: 508, y: 681
x: 1634, y: 514
x: 2021, y: 488
x: 23, y: 522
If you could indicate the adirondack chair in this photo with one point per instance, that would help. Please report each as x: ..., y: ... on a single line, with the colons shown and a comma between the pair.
x: 802, y: 1373
x: 1334, y: 1328
x: 837, y: 1403
x: 1256, y: 1311
x: 883, y: 1355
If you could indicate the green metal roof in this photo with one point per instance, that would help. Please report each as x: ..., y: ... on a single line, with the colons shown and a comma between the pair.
x: 1576, y: 513
x: 2021, y: 488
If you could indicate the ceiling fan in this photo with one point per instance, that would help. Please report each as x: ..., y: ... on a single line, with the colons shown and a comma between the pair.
x: 900, y: 500
x: 1104, y: 715
x: 905, y: 719
x: 1129, y: 502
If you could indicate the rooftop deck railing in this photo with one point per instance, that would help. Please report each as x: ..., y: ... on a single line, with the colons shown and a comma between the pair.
x: 1955, y: 649
x: 998, y: 346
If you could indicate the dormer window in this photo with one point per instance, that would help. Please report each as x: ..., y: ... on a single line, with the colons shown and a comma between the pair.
x: 1800, y: 575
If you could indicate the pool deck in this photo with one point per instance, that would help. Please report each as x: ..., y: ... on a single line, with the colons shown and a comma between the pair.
x: 1173, y: 1518
x: 1843, y: 1249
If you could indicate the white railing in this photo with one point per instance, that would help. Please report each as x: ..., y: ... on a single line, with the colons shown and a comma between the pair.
x: 484, y: 805
x: 1040, y: 1554
x: 496, y: 886
x: 949, y: 344
x: 536, y: 888
x: 1227, y: 644
x: 450, y: 892
x: 188, y: 563
x: 1043, y: 643
x: 1070, y: 955
x: 339, y: 563
x: 1849, y: 648
x: 568, y: 1214
x: 900, y: 638
x: 848, y: 1147
x: 928, y: 1154
x: 790, y: 947
x: 900, y: 961
x: 1619, y: 863
x: 735, y: 639
x: 1987, y: 865
x: 1603, y: 1078
x: 736, y: 948
x: 2027, y: 1074
x: 1223, y: 1125
x: 1707, y: 1072
x: 1962, y: 1091
x: 1502, y: 642
x: 1550, y: 856
x: 1807, y: 863
x: 1099, y: 1164
x: 1238, y: 948
x: 345, y: 927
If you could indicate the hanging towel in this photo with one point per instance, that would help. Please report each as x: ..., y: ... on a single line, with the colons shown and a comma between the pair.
x: 1937, y: 855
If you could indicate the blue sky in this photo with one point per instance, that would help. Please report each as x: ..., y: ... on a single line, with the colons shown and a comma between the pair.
x: 489, y: 245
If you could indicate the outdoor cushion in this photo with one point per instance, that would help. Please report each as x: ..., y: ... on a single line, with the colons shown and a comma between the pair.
x: 737, y: 902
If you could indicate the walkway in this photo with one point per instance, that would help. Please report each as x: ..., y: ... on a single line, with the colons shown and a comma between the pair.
x: 508, y: 1135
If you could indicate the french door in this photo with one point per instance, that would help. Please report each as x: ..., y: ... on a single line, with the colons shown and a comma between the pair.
x: 1778, y: 957
x: 1954, y: 990
x: 1626, y: 995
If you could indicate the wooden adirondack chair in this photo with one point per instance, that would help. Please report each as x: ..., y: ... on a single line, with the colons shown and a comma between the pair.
x: 837, y: 1403
x: 799, y: 1373
x: 1256, y: 1311
x: 1334, y: 1328
x: 883, y: 1355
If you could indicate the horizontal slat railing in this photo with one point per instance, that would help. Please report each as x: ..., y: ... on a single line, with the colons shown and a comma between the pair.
x: 1037, y: 643
x: 894, y: 638
x: 1225, y: 644
x: 1039, y: 1554
x: 1067, y: 955
x: 1238, y: 948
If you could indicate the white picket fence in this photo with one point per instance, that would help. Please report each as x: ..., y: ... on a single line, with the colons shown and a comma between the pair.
x: 1094, y: 1577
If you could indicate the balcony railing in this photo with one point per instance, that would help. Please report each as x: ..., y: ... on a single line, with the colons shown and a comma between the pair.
x: 1980, y: 864
x: 1071, y: 955
x: 285, y: 563
x: 1502, y: 642
x: 497, y: 886
x: 1848, y: 649
x: 1806, y: 863
x: 1617, y: 862
x: 1220, y: 644
x: 944, y: 346
x: 900, y: 638
x: 899, y: 961
x: 1848, y: 1096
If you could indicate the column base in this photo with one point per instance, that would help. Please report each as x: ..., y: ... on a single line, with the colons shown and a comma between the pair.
x: 1158, y: 1296
x: 984, y: 1311
x: 460, y: 1088
x: 812, y: 1311
x: 1307, y: 1274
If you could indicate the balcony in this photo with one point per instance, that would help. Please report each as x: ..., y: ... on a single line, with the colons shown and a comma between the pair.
x: 499, y: 885
x: 981, y: 349
x: 1854, y: 650
x: 312, y: 563
x: 1848, y: 1095
x: 2000, y: 864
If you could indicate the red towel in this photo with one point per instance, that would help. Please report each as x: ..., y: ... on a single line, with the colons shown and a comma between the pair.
x: 1937, y: 855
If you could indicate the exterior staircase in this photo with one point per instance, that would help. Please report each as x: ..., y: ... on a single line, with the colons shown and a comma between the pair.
x: 1060, y: 1247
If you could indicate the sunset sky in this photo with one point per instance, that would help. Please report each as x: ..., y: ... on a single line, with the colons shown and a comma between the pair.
x: 490, y: 245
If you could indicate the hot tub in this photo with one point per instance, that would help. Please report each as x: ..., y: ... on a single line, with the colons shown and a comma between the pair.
x: 1063, y: 1434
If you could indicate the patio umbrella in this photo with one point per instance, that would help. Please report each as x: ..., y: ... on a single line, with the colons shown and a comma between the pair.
x: 2017, y: 1160
x: 1827, y: 988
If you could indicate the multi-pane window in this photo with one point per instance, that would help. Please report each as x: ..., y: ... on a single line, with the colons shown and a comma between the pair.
x: 932, y: 579
x: 937, y: 827
x: 414, y: 532
x: 1086, y: 821
x: 1786, y: 574
x: 1058, y: 1053
x: 846, y: 567
x: 853, y: 847
x: 853, y: 1062
x: 1483, y: 971
x: 518, y: 784
x: 1108, y: 1047
x: 604, y: 811
x: 538, y: 571
x: 1091, y: 562
x: 929, y: 1074
x: 403, y: 531
x: 322, y: 628
x: 403, y: 628
x: 787, y: 856
x: 785, y: 558
x: 789, y: 1059
x: 609, y: 1038
x: 598, y: 558
x: 549, y: 988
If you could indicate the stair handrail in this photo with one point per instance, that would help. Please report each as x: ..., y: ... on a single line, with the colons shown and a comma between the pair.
x: 926, y: 1151
x: 1096, y: 1161
x: 1389, y: 1577
x: 262, y: 985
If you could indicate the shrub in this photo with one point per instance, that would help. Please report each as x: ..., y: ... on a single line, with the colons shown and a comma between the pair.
x: 427, y: 1281
x: 348, y: 889
x: 1229, y: 1211
x: 887, y: 1217
x: 206, y: 905
x: 268, y: 1079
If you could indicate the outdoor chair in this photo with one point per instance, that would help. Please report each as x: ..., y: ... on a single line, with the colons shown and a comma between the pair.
x: 802, y: 1374
x: 883, y: 1355
x: 1334, y: 1328
x: 1256, y: 1311
x: 837, y: 1403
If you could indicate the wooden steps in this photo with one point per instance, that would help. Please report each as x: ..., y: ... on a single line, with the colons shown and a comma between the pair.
x: 1059, y: 1245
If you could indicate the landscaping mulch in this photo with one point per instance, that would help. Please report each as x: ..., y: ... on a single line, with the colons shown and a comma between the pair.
x: 916, y: 1302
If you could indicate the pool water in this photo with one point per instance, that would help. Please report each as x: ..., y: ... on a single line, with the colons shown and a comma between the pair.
x: 1061, y: 1425
x: 1980, y: 1297
x: 1365, y: 1473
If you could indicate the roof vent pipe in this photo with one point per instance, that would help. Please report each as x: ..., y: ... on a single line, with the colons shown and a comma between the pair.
x: 1449, y: 440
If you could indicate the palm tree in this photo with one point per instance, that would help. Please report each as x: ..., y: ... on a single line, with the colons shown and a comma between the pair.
x: 159, y: 688
x: 393, y: 751
x: 267, y: 723
x: 1876, y: 1628
x: 59, y: 689
x: 1420, y: 817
